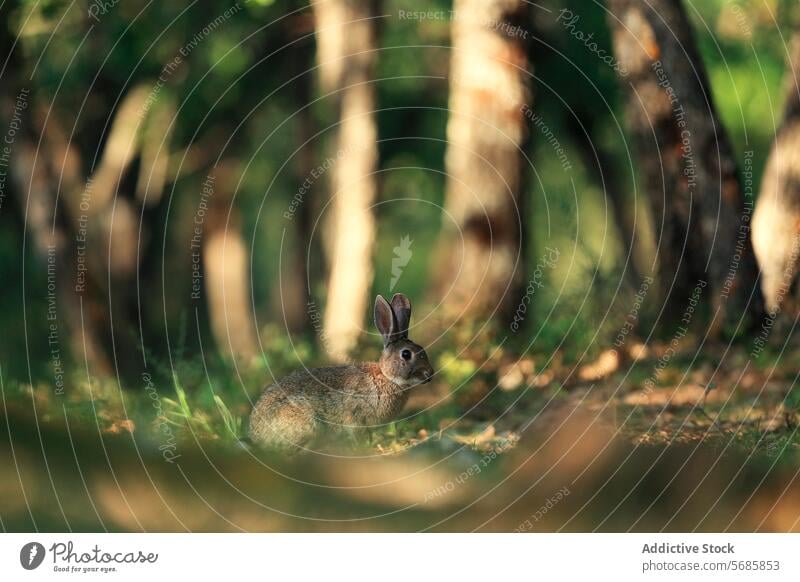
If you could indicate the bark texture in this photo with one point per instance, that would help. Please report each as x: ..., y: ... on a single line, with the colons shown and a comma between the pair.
x: 685, y: 162
x: 345, y: 32
x: 489, y: 106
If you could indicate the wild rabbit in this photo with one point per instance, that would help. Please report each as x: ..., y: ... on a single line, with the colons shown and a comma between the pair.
x: 307, y: 403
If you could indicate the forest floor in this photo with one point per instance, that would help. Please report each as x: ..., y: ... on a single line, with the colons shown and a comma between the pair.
x: 617, y: 431
x: 645, y: 395
x: 721, y: 398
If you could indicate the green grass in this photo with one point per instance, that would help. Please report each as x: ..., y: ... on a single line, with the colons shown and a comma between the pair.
x: 212, y: 405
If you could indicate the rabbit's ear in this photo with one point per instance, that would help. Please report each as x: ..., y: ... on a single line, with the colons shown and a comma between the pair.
x: 401, y: 307
x: 384, y: 320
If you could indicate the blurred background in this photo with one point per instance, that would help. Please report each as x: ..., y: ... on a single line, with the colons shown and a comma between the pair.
x: 198, y: 198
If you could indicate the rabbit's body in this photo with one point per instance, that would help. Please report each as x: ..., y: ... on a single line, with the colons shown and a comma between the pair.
x: 295, y: 410
x: 306, y: 403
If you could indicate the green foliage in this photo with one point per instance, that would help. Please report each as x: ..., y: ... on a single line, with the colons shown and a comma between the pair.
x: 233, y: 424
x: 228, y: 93
x: 180, y: 414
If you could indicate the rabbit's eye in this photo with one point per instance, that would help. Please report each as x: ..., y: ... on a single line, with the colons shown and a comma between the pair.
x: 406, y: 354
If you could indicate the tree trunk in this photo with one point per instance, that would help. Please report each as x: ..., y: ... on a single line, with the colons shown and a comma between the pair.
x: 684, y: 159
x: 226, y: 268
x: 345, y: 50
x: 486, y: 130
x: 102, y: 225
x: 78, y: 319
x: 301, y: 261
x: 776, y: 222
x: 34, y: 166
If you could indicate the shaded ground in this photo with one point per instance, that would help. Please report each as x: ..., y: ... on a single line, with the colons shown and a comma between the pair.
x: 504, y: 446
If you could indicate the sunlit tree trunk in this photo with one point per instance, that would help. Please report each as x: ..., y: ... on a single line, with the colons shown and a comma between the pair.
x: 684, y: 159
x: 489, y: 98
x: 776, y: 223
x: 345, y: 50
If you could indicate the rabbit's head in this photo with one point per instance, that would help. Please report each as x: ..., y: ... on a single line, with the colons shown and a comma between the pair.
x: 403, y: 362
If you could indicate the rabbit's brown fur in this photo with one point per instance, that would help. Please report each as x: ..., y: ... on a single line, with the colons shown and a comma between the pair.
x: 295, y: 410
